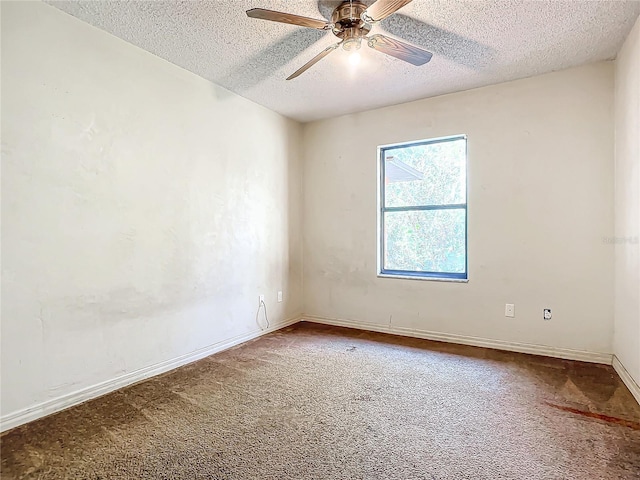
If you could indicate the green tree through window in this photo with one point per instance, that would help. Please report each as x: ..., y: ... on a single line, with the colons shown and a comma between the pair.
x: 424, y: 208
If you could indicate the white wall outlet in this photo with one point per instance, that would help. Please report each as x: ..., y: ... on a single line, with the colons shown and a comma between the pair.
x: 279, y: 297
x: 547, y: 314
x: 261, y: 299
x: 509, y: 310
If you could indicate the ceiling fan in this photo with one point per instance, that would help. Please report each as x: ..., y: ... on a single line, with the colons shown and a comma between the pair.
x: 351, y: 21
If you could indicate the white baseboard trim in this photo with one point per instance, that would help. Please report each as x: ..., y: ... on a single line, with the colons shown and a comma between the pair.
x: 63, y: 402
x: 565, y: 353
x: 626, y: 377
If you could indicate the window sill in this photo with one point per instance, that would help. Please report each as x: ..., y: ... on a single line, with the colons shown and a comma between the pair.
x: 429, y: 279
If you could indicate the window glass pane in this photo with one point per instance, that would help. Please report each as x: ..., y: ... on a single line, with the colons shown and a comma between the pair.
x: 425, y: 240
x: 431, y: 174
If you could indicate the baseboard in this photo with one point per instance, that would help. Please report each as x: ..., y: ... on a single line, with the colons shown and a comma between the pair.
x: 55, y: 405
x: 628, y: 380
x: 565, y: 353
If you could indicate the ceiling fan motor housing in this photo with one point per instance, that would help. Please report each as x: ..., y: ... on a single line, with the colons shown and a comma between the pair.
x: 348, y: 24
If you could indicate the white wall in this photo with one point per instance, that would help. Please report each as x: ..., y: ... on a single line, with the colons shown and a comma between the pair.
x: 627, y: 204
x: 540, y: 206
x: 144, y: 209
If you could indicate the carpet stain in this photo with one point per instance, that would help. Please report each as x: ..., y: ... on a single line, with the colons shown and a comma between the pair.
x: 597, y: 416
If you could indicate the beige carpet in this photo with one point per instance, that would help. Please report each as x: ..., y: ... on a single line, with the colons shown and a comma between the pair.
x: 313, y: 402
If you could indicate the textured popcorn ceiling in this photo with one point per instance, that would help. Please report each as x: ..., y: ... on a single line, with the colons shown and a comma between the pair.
x: 474, y: 43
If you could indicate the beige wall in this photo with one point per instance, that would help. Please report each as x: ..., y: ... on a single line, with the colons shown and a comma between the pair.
x: 627, y: 205
x: 143, y: 208
x: 540, y: 208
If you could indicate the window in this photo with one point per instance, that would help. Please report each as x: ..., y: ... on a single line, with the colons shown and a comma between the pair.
x: 423, y: 209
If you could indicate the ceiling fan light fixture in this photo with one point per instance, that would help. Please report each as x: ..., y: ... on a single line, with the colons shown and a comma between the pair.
x: 367, y: 19
x: 351, y: 21
x: 352, y: 44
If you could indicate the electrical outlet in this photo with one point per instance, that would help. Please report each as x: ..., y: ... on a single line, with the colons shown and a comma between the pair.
x: 509, y: 310
x: 547, y: 314
x: 261, y: 299
x: 279, y: 297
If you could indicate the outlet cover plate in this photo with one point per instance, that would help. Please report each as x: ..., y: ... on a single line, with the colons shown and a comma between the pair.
x: 509, y: 310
